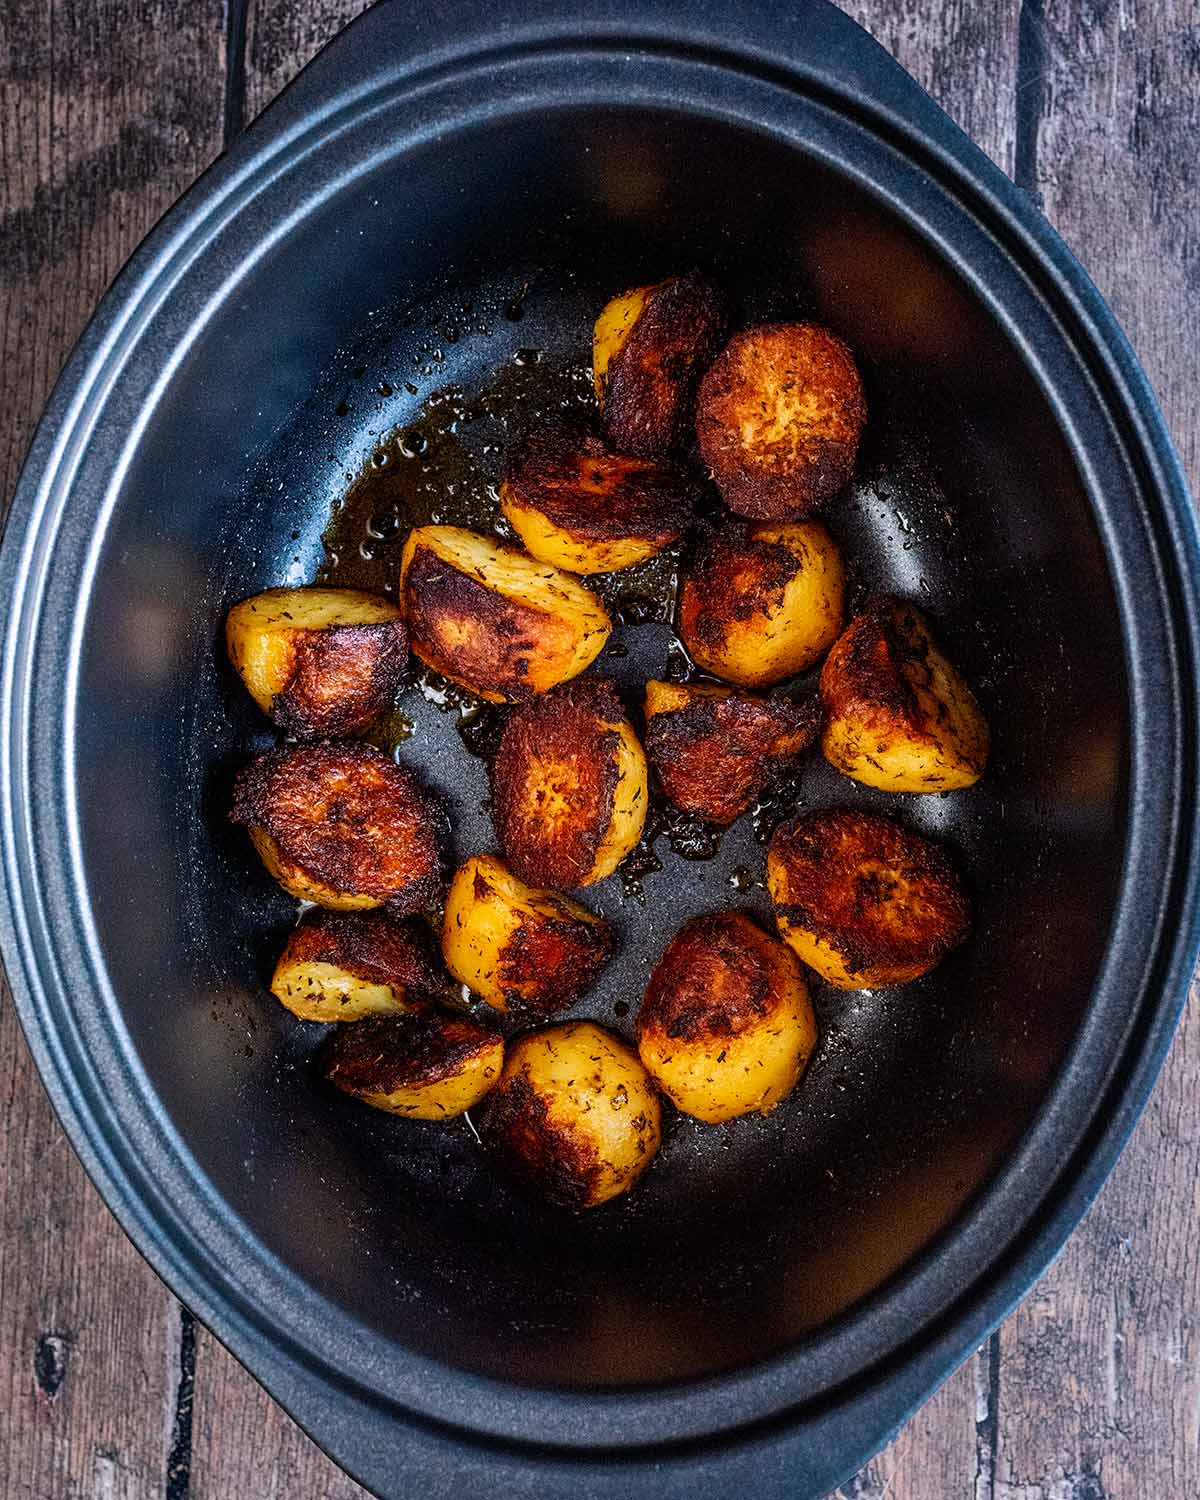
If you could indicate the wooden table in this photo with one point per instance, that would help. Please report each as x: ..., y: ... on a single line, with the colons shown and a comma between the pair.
x: 109, y: 1390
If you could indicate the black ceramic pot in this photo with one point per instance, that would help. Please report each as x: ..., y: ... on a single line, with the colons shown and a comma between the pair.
x: 777, y: 1297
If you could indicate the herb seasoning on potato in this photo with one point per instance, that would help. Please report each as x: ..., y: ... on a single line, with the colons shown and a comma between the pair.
x: 425, y: 1065
x: 344, y: 965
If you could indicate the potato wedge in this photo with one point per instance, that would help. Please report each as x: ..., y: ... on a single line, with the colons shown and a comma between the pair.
x: 580, y: 506
x: 493, y: 620
x: 716, y: 750
x: 426, y: 1065
x: 318, y: 661
x: 340, y: 824
x: 650, y: 347
x: 342, y: 966
x: 764, y: 603
x: 727, y: 1026
x: 575, y: 1119
x: 516, y: 946
x: 897, y: 714
x: 778, y: 417
x: 569, y: 791
x: 864, y: 901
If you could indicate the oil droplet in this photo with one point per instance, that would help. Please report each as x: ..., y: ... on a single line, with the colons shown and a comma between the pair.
x: 743, y: 879
x: 381, y: 458
x: 527, y: 357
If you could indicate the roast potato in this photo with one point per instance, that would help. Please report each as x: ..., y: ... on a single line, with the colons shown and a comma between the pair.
x: 715, y: 750
x: 493, y: 620
x: 513, y: 945
x: 318, y: 661
x: 575, y: 1118
x: 649, y: 348
x: 425, y: 1064
x: 569, y: 791
x: 762, y: 603
x: 577, y: 504
x: 341, y: 824
x: 778, y: 418
x: 897, y: 715
x: 726, y: 1027
x: 343, y: 965
x: 864, y: 901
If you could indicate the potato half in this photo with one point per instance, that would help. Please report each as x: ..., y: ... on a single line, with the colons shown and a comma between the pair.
x: 650, y: 347
x: 727, y: 1026
x: 580, y: 506
x: 342, y: 965
x: 763, y: 603
x: 778, y: 418
x: 715, y: 750
x: 514, y: 945
x: 864, y: 901
x: 318, y: 661
x: 493, y: 620
x: 341, y: 824
x: 425, y: 1064
x: 897, y: 714
x: 575, y: 1118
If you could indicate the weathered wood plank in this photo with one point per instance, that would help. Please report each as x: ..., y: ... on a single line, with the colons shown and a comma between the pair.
x: 105, y: 114
x: 281, y: 37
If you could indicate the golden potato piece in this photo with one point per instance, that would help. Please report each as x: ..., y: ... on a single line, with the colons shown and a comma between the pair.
x: 726, y: 1027
x: 341, y: 966
x: 575, y: 1119
x: 318, y: 661
x: 513, y: 945
x: 862, y: 900
x: 578, y: 505
x: 897, y: 715
x: 569, y: 791
x: 493, y: 620
x: 650, y: 347
x: 778, y: 418
x: 716, y: 750
x: 763, y: 603
x: 341, y: 824
x: 425, y: 1065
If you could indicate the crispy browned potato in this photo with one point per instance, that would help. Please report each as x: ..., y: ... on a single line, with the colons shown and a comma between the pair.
x: 716, y: 749
x: 727, y: 1026
x: 425, y: 1064
x: 318, y: 661
x: 341, y: 824
x: 343, y: 965
x: 577, y: 504
x: 569, y: 786
x: 492, y: 619
x: 514, y: 945
x: 862, y: 900
x: 897, y: 714
x: 650, y: 347
x: 575, y: 1118
x: 762, y: 603
x: 779, y: 416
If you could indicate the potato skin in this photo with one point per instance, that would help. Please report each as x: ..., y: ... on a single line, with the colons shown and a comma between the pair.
x: 649, y: 350
x: 339, y: 823
x: 864, y: 901
x: 342, y: 966
x: 575, y: 1119
x: 727, y: 1026
x: 569, y: 786
x: 898, y: 715
x: 516, y: 946
x: 425, y: 1065
x: 492, y: 619
x: 318, y: 661
x: 580, y: 506
x: 779, y: 417
x: 715, y: 750
x: 762, y: 603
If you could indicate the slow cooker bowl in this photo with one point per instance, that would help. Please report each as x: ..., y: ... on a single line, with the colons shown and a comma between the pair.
x: 778, y: 1293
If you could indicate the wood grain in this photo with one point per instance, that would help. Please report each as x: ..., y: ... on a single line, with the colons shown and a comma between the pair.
x: 101, y: 126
